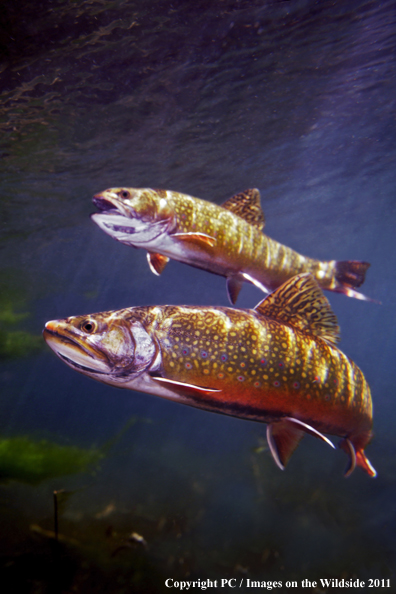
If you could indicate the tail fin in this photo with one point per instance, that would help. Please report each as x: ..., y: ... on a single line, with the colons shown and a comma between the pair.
x: 351, y: 273
x: 348, y: 275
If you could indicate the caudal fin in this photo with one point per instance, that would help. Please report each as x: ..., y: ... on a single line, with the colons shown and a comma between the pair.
x: 350, y: 274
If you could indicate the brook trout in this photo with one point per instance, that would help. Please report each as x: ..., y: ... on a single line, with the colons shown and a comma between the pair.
x: 226, y: 240
x: 277, y: 364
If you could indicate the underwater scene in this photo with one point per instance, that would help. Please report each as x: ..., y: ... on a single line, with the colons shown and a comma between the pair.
x: 290, y: 105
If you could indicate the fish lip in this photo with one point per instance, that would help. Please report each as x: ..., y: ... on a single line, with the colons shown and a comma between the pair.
x: 75, y: 365
x: 111, y: 205
x: 75, y: 344
x: 103, y: 204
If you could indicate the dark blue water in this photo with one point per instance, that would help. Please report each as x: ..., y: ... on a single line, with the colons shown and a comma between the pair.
x: 295, y: 98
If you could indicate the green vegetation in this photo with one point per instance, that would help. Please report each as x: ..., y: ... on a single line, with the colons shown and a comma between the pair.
x: 26, y: 460
x: 15, y: 342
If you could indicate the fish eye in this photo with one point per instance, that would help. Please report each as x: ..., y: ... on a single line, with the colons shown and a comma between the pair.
x: 125, y: 194
x: 89, y: 326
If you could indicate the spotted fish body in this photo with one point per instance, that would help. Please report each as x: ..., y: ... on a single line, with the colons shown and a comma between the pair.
x: 226, y: 240
x: 276, y: 364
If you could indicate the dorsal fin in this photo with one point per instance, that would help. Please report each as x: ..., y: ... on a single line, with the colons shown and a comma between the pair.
x: 300, y: 303
x: 247, y: 205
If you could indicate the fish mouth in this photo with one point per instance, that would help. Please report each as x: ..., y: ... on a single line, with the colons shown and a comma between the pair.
x: 73, y: 353
x: 75, y: 365
x: 103, y: 204
x: 111, y: 205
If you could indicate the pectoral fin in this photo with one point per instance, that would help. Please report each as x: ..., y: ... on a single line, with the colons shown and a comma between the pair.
x: 284, y: 436
x: 157, y: 262
x: 184, y: 389
x: 199, y: 239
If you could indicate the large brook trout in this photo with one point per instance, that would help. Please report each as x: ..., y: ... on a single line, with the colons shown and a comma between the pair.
x: 277, y: 364
x: 226, y: 240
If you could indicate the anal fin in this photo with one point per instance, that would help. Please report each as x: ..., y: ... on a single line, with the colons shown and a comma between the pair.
x: 157, y: 262
x: 255, y: 282
x: 284, y: 436
x: 357, y: 458
x: 234, y: 285
x: 348, y: 448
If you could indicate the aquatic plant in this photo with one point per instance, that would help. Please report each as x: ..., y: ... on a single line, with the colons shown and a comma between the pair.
x: 29, y: 461
x: 18, y: 343
x: 15, y: 342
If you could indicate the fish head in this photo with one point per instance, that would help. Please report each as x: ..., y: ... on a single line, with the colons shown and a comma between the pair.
x: 104, y: 346
x: 134, y: 216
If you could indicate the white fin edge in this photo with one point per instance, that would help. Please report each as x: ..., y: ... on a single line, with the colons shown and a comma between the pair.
x: 273, y: 448
x: 153, y: 270
x: 183, y: 384
x: 254, y: 282
x: 311, y: 430
x: 352, y: 454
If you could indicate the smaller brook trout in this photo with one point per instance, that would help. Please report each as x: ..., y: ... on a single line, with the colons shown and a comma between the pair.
x: 277, y: 364
x: 226, y: 240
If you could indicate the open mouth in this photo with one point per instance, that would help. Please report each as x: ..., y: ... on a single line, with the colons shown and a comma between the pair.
x: 104, y: 205
x: 64, y: 346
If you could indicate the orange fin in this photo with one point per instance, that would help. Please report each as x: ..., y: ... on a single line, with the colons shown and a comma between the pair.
x: 255, y: 282
x: 350, y: 274
x: 356, y: 459
x: 348, y: 448
x: 157, y: 262
x: 364, y: 463
x: 184, y: 389
x: 283, y: 438
x: 309, y: 429
x: 200, y: 239
x: 300, y: 303
x: 234, y: 285
x: 247, y: 206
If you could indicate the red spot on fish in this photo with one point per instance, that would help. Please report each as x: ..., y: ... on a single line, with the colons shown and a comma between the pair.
x: 220, y: 375
x: 276, y: 383
x: 224, y: 357
x: 241, y: 378
x: 243, y: 364
x: 263, y: 361
x: 204, y: 354
x: 188, y: 365
x: 296, y: 385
